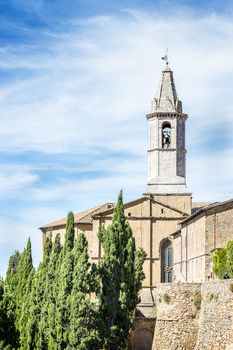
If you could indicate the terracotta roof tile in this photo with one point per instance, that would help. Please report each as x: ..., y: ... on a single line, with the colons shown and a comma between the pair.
x: 82, y: 217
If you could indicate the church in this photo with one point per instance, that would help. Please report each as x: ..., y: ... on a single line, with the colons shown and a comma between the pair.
x: 178, y: 235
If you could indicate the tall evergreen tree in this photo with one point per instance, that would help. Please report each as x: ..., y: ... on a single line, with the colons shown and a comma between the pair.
x: 51, y: 290
x: 10, y: 301
x: 3, y: 317
x: 65, y: 285
x: 121, y: 276
x: 69, y: 236
x: 84, y: 334
x: 32, y: 338
x: 15, y: 292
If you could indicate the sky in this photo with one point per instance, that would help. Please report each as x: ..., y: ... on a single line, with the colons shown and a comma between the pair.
x: 76, y: 80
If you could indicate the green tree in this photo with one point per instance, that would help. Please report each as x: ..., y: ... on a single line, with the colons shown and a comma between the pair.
x: 121, y: 275
x: 51, y: 289
x: 9, y: 300
x: 84, y: 333
x: 229, y: 258
x: 65, y: 285
x: 3, y: 318
x: 69, y: 236
x: 31, y: 337
x: 15, y: 293
x: 219, y: 261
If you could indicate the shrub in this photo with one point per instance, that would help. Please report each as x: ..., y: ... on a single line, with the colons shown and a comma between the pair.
x: 166, y: 298
x: 219, y: 261
x: 197, y: 301
x: 229, y: 258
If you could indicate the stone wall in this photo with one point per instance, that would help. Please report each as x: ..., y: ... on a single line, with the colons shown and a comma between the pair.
x: 216, y: 316
x: 177, y: 316
x: 192, y: 316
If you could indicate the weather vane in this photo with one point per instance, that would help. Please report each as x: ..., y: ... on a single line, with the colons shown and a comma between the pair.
x: 165, y: 57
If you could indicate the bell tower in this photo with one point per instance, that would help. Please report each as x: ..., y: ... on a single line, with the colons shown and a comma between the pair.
x: 167, y: 153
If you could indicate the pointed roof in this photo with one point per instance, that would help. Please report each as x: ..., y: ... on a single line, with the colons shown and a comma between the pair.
x: 166, y: 98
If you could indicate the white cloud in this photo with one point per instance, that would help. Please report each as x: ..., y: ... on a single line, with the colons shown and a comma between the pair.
x: 107, y: 76
x: 10, y: 183
x: 89, y: 90
x: 210, y: 176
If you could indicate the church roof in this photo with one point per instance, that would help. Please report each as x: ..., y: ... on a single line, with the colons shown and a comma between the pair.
x: 166, y: 98
x: 228, y: 204
x: 82, y: 217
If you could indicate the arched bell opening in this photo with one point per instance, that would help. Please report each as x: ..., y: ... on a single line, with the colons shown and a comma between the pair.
x: 166, y: 135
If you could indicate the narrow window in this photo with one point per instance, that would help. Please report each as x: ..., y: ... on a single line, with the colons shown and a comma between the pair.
x: 166, y: 261
x: 166, y: 135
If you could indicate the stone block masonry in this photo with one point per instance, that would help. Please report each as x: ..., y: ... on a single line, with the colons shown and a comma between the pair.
x: 177, y: 316
x: 216, y: 316
x: 193, y: 316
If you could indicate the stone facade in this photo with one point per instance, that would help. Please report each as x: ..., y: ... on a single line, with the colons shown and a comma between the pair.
x: 152, y: 219
x: 199, y: 236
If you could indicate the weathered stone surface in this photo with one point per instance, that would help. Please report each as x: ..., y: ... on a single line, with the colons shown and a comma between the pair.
x: 166, y: 164
x: 216, y: 317
x: 181, y: 326
x: 200, y: 235
x: 177, y: 317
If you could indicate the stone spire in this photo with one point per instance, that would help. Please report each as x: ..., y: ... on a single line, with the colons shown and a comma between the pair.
x: 166, y: 153
x: 166, y: 99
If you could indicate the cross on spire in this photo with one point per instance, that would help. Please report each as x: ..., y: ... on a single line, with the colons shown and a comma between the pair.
x: 165, y: 57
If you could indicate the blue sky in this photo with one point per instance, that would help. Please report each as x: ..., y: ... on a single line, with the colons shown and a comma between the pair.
x: 76, y: 80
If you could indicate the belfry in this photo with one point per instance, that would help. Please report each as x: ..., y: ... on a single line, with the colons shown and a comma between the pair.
x: 166, y: 154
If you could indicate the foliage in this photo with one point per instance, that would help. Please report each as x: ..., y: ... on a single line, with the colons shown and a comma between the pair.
x: 166, y: 298
x: 223, y: 260
x: 219, y: 261
x: 121, y: 275
x: 229, y: 258
x: 197, y: 301
x: 15, y: 294
x: 68, y: 302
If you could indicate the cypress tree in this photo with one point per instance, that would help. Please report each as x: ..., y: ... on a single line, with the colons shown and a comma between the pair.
x: 65, y: 285
x: 49, y: 306
x: 15, y: 294
x: 69, y: 236
x: 32, y: 336
x: 25, y: 268
x: 121, y: 275
x: 9, y: 302
x: 25, y: 314
x: 83, y: 334
x: 3, y: 317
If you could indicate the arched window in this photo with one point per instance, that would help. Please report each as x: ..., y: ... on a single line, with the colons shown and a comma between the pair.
x: 166, y: 135
x: 166, y: 261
